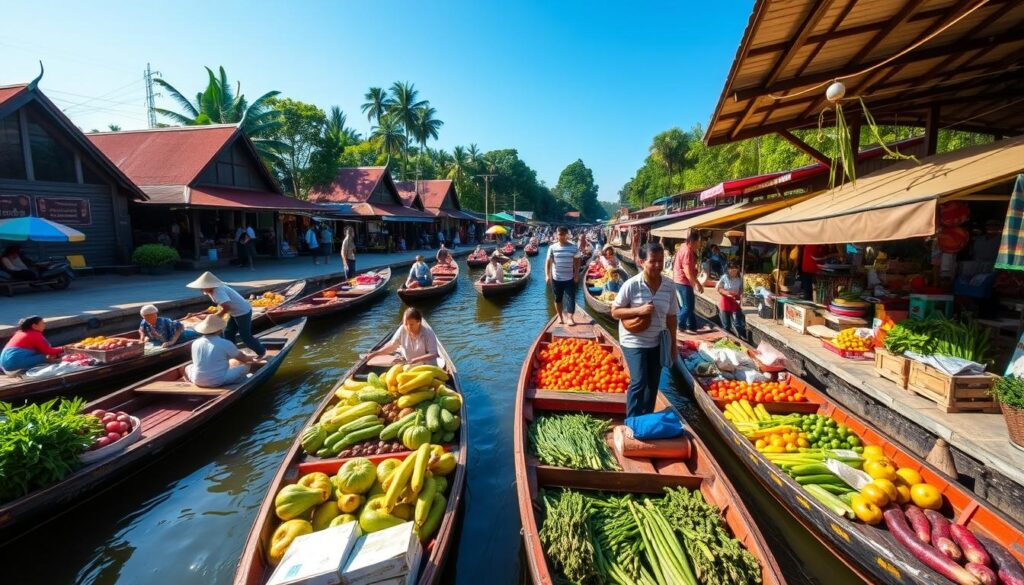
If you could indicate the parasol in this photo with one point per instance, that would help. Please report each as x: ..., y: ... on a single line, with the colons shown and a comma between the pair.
x: 496, y: 230
x: 37, y: 229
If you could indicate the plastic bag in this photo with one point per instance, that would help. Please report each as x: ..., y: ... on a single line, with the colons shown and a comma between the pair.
x: 664, y: 424
x: 726, y: 359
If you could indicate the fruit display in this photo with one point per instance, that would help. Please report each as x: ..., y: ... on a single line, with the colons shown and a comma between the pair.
x: 267, y: 299
x: 398, y: 411
x: 606, y: 296
x: 78, y: 359
x: 116, y: 426
x: 368, y: 279
x: 104, y: 343
x: 377, y: 496
x: 756, y: 392
x: 580, y: 365
x: 848, y: 340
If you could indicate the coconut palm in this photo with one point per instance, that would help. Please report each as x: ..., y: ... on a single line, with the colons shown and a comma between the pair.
x: 376, y: 105
x: 473, y: 153
x: 669, y: 148
x: 425, y: 127
x: 404, y: 106
x: 389, y: 136
x: 337, y: 131
x: 219, y: 103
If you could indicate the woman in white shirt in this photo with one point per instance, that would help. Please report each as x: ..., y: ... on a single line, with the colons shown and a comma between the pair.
x: 494, y: 272
x: 414, y: 340
x: 234, y: 307
x: 216, y: 362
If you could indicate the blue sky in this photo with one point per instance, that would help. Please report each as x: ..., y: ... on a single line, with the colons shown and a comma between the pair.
x: 556, y: 80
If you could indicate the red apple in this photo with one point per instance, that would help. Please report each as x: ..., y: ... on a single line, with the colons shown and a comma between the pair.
x: 124, y: 427
x: 113, y: 427
x: 113, y: 436
x: 109, y: 418
x: 123, y: 418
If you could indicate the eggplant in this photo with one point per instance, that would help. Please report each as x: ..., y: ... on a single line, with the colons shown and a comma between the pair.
x: 896, y: 522
x: 1010, y: 570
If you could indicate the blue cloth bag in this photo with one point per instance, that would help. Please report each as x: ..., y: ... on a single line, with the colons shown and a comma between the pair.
x: 664, y: 424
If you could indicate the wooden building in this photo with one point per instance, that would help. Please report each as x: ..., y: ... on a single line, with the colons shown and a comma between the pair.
x: 49, y: 169
x: 441, y: 200
x: 203, y: 183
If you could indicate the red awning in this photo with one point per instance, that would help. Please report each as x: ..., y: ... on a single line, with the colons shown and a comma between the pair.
x: 666, y: 217
x: 207, y: 196
x: 734, y: 187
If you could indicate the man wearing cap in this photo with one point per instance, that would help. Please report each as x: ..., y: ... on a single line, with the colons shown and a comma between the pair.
x: 233, y: 305
x: 216, y: 361
x: 161, y: 331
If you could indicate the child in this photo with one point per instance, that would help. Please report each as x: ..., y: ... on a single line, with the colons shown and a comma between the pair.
x: 730, y: 288
x: 614, y: 281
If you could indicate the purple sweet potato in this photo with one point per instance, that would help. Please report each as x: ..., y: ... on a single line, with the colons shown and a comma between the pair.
x: 918, y: 521
x: 941, y: 538
x: 896, y: 522
x: 973, y: 551
x: 983, y: 573
x: 1010, y: 570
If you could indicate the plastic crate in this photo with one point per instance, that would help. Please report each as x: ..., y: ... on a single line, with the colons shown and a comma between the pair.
x: 846, y: 353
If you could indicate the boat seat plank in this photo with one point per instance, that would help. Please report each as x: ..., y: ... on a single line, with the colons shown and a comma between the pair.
x: 179, y: 387
x: 648, y: 483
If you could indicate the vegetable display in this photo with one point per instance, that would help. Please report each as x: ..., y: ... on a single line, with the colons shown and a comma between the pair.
x: 780, y: 391
x: 398, y: 411
x: 580, y: 365
x: 40, y: 444
x: 576, y: 441
x: 377, y: 496
x: 626, y: 540
x: 938, y: 335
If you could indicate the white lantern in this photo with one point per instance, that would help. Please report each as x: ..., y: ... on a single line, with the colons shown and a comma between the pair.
x: 835, y: 92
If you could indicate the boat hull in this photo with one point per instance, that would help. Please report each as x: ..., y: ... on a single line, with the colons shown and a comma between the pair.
x: 298, y: 309
x: 410, y: 295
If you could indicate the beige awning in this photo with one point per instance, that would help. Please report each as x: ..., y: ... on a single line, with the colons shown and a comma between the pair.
x: 895, y: 203
x: 726, y: 217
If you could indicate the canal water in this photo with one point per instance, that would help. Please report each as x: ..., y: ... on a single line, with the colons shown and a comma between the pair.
x: 184, y: 518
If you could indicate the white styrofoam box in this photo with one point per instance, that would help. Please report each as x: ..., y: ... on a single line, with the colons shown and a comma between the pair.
x: 378, y: 556
x: 317, y: 558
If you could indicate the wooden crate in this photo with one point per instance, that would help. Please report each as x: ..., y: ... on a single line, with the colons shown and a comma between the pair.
x: 892, y: 367
x: 799, y: 317
x: 953, y: 393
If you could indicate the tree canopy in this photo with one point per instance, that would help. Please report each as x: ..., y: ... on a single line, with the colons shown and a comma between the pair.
x: 576, y: 188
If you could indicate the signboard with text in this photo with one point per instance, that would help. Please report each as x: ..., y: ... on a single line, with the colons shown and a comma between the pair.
x: 65, y: 210
x: 15, y: 206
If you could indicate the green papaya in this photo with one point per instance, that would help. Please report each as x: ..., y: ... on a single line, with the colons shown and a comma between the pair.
x: 313, y: 438
x: 296, y: 500
x: 373, y: 517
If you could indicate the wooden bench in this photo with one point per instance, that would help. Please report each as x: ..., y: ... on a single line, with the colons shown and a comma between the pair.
x: 179, y: 387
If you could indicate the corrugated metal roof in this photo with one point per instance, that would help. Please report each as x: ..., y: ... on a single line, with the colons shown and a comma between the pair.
x: 164, y: 156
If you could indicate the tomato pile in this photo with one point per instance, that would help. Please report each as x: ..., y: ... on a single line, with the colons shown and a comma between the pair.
x: 756, y: 392
x: 580, y: 365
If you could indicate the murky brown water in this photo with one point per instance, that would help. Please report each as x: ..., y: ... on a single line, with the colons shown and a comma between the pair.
x: 183, y: 519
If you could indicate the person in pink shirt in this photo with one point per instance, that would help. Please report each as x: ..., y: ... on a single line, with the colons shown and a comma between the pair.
x: 27, y: 348
x: 684, y: 272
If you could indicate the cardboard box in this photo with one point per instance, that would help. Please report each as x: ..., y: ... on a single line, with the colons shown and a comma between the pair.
x: 799, y: 317
x: 317, y: 558
x: 387, y: 554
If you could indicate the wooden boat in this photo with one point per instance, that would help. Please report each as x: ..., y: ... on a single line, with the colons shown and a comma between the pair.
x: 331, y: 300
x: 477, y: 262
x: 699, y: 472
x: 531, y: 250
x: 508, y: 249
x: 869, y: 551
x: 596, y: 305
x: 170, y: 409
x: 443, y: 284
x: 20, y: 388
x: 495, y: 289
x: 253, y: 567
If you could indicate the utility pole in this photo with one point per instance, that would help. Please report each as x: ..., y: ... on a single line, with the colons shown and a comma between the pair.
x: 150, y: 105
x: 487, y: 191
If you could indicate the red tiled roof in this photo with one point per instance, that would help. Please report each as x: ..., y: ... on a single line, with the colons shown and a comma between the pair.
x: 432, y: 192
x: 351, y: 185
x: 8, y: 92
x: 390, y: 211
x: 572, y: 214
x: 164, y: 156
x: 206, y: 196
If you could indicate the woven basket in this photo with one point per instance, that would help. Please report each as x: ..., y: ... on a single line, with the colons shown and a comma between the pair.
x: 1014, y: 423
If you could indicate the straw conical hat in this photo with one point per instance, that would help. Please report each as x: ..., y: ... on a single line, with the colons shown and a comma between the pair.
x: 207, y: 280
x: 211, y: 324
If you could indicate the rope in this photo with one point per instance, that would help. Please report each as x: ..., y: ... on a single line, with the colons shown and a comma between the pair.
x: 886, y: 61
x: 993, y: 110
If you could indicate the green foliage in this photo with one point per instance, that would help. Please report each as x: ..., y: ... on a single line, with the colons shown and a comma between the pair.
x: 40, y: 444
x: 669, y: 149
x: 153, y: 255
x: 302, y: 129
x: 1010, y: 391
x: 219, y: 104
x: 576, y: 187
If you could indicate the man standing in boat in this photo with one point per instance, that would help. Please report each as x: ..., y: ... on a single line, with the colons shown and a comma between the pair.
x: 560, y: 269
x: 646, y: 308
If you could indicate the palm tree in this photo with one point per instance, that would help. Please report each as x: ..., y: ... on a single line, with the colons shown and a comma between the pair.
x: 336, y: 132
x: 425, y: 128
x: 442, y: 160
x: 220, y: 104
x: 376, y: 105
x: 389, y: 136
x: 473, y: 153
x: 405, y: 103
x: 669, y: 148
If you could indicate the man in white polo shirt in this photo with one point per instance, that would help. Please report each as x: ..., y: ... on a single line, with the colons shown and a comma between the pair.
x: 233, y: 306
x: 560, y: 270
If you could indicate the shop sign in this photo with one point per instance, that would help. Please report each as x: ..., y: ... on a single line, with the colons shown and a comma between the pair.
x: 65, y: 210
x: 15, y: 206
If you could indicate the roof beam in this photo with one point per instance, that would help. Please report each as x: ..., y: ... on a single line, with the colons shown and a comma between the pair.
x: 904, y: 15
x: 1012, y: 36
x: 830, y: 35
x: 806, y: 148
x: 814, y: 16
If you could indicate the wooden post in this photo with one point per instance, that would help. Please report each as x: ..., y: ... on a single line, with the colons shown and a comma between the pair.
x: 931, y: 132
x: 195, y: 235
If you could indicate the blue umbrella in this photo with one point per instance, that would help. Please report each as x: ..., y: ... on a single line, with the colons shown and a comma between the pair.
x: 37, y: 229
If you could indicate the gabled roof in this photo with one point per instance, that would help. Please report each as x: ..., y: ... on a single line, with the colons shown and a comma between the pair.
x: 165, y: 156
x: 432, y: 192
x: 13, y: 97
x: 355, y: 185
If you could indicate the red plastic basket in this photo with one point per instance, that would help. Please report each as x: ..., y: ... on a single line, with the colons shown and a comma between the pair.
x: 846, y: 353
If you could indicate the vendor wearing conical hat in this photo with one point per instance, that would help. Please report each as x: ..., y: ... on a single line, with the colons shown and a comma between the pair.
x: 233, y: 306
x: 216, y: 361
